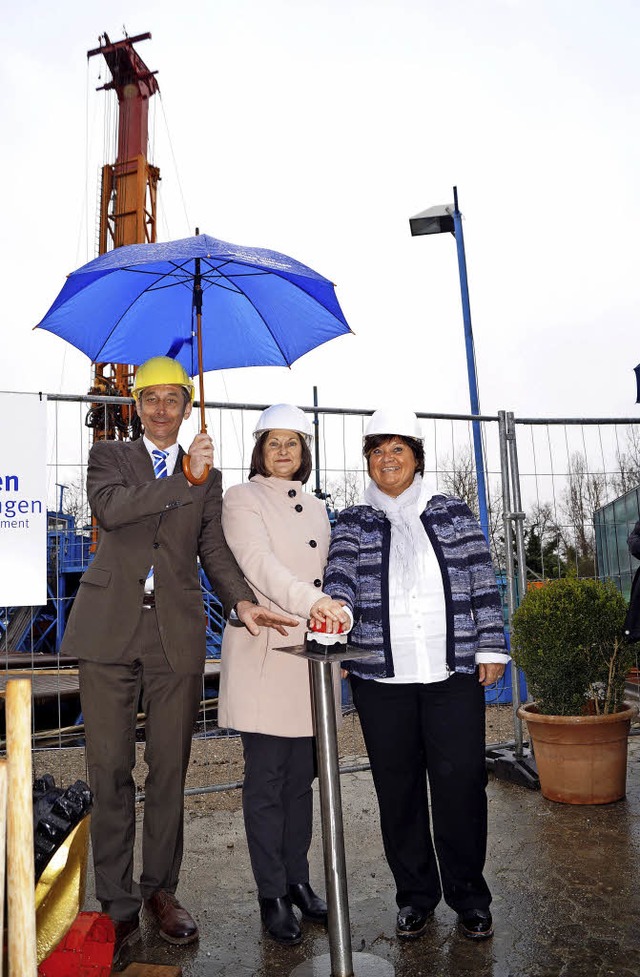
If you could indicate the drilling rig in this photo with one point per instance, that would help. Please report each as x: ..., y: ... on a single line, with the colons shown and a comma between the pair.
x: 128, y: 198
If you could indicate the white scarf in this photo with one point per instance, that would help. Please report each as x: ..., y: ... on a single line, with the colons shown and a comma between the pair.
x: 408, y: 536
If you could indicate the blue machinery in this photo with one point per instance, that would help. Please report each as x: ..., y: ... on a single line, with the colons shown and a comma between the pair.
x: 40, y: 630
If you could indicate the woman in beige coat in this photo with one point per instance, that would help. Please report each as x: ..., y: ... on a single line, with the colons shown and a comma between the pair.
x: 280, y: 538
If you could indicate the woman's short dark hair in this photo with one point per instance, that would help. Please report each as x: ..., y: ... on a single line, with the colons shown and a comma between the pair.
x: 375, y: 440
x: 257, y: 466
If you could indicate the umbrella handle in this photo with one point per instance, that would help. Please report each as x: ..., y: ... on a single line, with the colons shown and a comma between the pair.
x: 188, y: 474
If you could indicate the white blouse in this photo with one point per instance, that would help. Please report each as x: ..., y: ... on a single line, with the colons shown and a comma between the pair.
x: 417, y: 617
x: 418, y: 623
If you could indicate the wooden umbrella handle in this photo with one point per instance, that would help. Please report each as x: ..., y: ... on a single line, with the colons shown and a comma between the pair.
x: 188, y: 474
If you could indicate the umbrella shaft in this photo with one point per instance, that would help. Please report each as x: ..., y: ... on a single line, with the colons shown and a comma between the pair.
x: 203, y: 422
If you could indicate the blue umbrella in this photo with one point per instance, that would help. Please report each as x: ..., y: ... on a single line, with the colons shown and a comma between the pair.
x: 261, y: 308
x: 207, y: 303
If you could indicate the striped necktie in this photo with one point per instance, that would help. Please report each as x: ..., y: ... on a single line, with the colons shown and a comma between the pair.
x: 159, y: 463
x: 160, y: 471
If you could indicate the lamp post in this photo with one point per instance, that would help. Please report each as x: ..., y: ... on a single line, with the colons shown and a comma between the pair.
x: 437, y: 220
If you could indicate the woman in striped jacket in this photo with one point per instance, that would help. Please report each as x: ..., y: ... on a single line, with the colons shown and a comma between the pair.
x: 414, y: 569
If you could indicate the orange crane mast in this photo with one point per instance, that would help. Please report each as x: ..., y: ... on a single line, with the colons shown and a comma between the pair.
x: 127, y: 205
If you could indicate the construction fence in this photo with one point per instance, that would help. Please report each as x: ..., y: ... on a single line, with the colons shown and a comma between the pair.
x: 561, y: 498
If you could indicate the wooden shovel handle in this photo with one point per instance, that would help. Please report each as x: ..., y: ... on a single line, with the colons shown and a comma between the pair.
x: 188, y: 474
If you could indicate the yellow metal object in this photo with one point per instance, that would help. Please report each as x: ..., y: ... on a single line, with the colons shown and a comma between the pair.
x: 60, y: 890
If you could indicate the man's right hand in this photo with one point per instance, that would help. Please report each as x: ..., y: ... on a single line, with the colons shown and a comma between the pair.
x: 255, y: 616
x: 200, y: 454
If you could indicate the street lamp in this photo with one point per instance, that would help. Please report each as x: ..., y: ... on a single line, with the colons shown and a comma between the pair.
x: 438, y: 220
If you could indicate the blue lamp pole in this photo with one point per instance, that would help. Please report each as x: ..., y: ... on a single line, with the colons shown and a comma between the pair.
x: 437, y: 220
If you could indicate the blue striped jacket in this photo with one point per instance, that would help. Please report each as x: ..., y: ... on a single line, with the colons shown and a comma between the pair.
x: 357, y: 572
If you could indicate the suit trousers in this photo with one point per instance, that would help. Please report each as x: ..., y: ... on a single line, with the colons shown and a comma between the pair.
x: 277, y: 801
x: 110, y: 694
x: 417, y: 731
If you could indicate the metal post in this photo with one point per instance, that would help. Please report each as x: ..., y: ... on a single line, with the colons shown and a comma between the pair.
x: 335, y: 869
x: 512, y: 596
x: 506, y: 513
x: 340, y: 961
x: 518, y: 514
x: 512, y: 763
x: 60, y: 599
x: 471, y: 366
x: 518, y: 517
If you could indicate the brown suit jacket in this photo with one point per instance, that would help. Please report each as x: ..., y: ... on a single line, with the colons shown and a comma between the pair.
x: 144, y: 522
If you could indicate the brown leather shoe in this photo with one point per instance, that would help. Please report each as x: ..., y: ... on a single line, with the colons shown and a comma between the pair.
x: 174, y: 922
x: 127, y: 932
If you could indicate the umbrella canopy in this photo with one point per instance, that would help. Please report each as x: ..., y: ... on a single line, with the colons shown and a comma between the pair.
x: 259, y: 307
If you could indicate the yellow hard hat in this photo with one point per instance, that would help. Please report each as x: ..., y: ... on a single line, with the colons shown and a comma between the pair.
x: 158, y: 370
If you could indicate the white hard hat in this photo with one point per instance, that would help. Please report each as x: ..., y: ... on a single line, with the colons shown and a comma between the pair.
x: 394, y: 420
x: 284, y: 417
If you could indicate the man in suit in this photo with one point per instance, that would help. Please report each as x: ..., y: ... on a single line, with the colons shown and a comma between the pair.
x: 137, y: 626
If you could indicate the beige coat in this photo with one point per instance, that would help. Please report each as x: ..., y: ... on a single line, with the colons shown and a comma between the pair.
x: 280, y: 537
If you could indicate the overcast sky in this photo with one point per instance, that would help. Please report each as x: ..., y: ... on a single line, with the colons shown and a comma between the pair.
x: 318, y: 129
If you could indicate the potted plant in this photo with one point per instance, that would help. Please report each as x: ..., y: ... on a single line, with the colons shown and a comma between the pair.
x: 567, y: 636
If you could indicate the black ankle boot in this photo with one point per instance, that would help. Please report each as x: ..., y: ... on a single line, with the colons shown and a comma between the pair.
x: 279, y: 920
x: 312, y: 906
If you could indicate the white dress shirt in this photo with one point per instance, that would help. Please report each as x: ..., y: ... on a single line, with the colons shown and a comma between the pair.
x: 172, y: 457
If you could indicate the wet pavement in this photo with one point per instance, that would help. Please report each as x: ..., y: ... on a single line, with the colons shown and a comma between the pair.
x: 564, y: 879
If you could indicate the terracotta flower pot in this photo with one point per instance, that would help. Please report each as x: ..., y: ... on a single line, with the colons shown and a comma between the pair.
x: 580, y: 759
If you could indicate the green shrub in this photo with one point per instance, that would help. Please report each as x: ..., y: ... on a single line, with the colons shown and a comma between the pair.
x: 567, y: 636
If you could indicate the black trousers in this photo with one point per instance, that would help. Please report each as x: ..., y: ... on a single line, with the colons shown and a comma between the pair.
x: 109, y: 696
x: 277, y: 801
x: 435, y: 731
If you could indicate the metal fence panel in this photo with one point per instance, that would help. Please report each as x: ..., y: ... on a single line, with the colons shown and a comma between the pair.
x: 30, y: 637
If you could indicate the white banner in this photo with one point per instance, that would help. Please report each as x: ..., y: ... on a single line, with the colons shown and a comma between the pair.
x: 23, y: 500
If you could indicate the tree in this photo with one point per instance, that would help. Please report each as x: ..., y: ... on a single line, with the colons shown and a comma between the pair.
x: 543, y: 543
x: 628, y: 461
x: 586, y: 491
x: 347, y: 490
x: 457, y: 476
